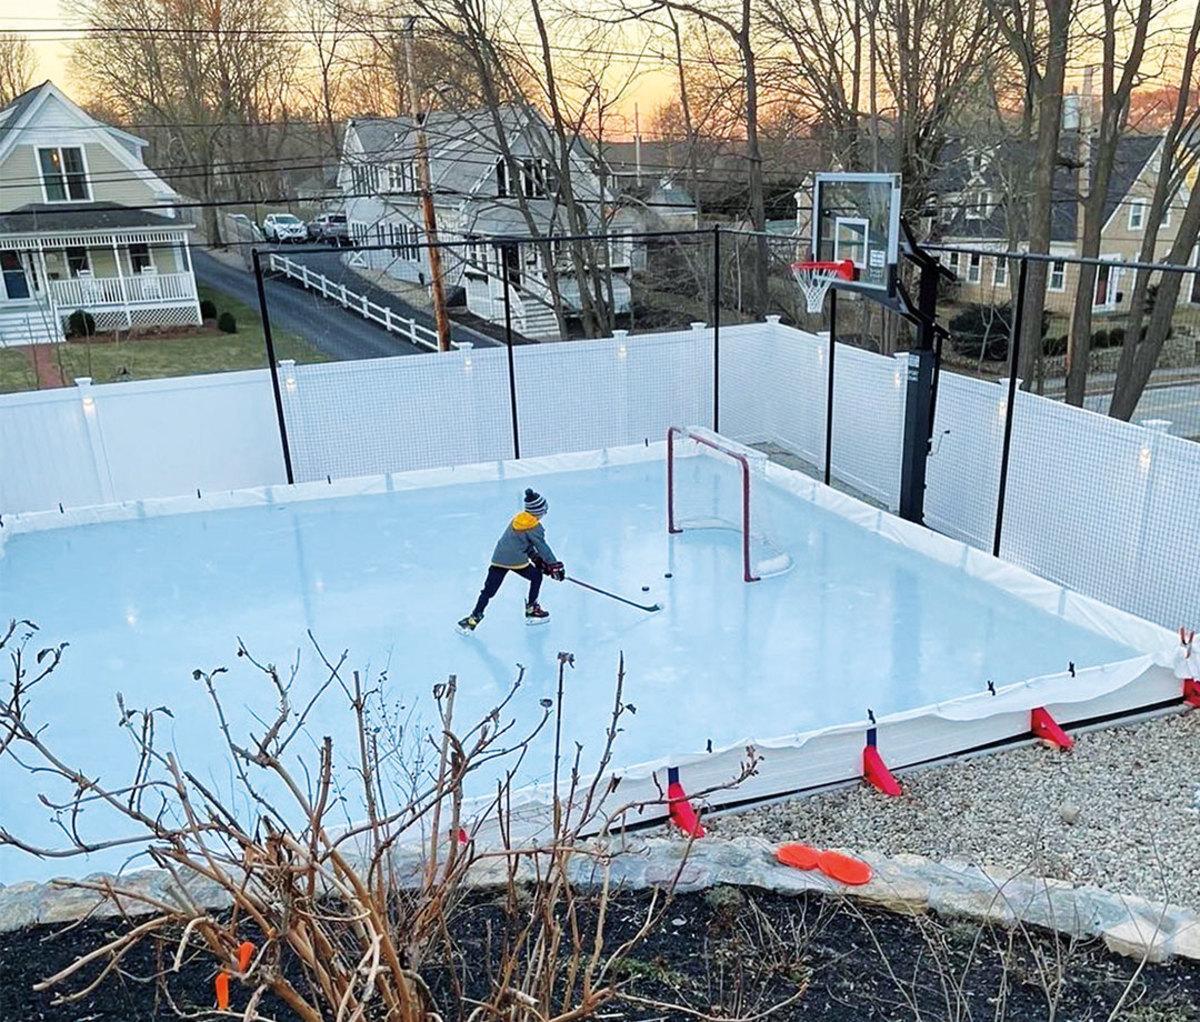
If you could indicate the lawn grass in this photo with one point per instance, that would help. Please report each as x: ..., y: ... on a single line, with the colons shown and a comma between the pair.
x: 16, y: 371
x: 186, y: 352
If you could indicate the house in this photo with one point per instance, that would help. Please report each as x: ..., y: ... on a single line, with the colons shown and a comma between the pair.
x: 478, y: 200
x: 84, y: 225
x: 980, y: 204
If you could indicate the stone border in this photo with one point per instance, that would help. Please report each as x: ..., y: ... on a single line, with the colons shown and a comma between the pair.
x: 905, y: 884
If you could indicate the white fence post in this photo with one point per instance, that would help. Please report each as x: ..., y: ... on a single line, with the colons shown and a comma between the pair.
x: 95, y: 437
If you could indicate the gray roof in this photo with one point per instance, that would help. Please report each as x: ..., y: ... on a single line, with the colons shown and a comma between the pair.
x: 18, y: 106
x: 1008, y: 169
x: 82, y: 216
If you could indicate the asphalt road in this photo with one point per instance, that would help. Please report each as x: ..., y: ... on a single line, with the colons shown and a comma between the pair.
x: 330, y: 263
x: 1179, y: 403
x: 327, y: 327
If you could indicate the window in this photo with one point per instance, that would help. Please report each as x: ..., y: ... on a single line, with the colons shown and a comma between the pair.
x: 363, y: 179
x: 1137, y: 215
x: 979, y: 204
x: 1165, y: 220
x: 536, y: 177
x: 1000, y: 272
x: 64, y: 176
x: 1058, y: 276
x: 974, y: 268
x: 402, y: 177
x: 501, y: 179
x: 139, y: 257
x: 1107, y: 295
x: 950, y: 260
x: 476, y: 255
x: 404, y: 240
x: 77, y: 261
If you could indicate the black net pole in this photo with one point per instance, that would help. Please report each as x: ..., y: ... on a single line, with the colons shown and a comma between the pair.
x: 508, y: 341
x: 272, y: 364
x: 829, y: 387
x: 1014, y: 357
x: 716, y: 320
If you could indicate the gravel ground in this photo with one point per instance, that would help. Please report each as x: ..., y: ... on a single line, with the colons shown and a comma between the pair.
x: 1120, y: 811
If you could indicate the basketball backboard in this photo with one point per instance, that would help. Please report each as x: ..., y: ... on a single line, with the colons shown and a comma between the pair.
x: 857, y: 217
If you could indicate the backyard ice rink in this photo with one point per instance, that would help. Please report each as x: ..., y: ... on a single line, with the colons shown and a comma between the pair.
x: 859, y: 622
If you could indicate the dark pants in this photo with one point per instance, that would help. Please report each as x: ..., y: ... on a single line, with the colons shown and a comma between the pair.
x: 495, y: 576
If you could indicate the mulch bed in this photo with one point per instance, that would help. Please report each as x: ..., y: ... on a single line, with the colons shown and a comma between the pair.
x: 725, y: 953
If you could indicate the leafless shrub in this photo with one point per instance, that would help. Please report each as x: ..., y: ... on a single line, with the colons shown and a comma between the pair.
x: 305, y: 852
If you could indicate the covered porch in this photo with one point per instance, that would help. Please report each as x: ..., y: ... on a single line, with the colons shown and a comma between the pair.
x: 125, y: 278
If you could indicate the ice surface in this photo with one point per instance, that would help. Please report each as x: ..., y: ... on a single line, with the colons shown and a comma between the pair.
x: 859, y: 622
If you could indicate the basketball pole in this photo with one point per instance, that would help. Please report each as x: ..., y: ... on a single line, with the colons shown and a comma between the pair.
x: 829, y: 387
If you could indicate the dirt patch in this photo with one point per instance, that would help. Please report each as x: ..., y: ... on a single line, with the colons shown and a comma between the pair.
x: 725, y: 953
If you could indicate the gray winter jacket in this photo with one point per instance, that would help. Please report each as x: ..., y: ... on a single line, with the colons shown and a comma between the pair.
x: 522, y: 540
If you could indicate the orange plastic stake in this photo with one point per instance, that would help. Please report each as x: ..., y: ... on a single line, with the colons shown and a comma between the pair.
x: 797, y: 856
x: 679, y: 808
x: 245, y: 955
x: 876, y: 772
x: 222, y: 984
x: 1191, y: 691
x: 844, y: 868
x: 1046, y: 728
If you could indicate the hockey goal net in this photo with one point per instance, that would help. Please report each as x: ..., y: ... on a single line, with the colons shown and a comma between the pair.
x: 715, y: 483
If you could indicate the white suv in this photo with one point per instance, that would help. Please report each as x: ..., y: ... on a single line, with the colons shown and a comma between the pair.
x: 284, y: 227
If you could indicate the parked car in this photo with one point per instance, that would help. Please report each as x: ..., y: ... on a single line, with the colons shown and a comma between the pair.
x: 284, y: 227
x: 330, y: 227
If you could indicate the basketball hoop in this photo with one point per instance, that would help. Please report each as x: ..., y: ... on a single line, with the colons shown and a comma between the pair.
x: 815, y: 278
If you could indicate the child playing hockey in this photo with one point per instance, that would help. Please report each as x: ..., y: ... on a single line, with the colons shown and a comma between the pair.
x: 524, y: 550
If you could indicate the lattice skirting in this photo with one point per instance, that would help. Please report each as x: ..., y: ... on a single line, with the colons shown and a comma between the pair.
x: 143, y: 316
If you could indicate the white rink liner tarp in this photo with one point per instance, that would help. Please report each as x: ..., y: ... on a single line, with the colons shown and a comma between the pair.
x: 812, y: 759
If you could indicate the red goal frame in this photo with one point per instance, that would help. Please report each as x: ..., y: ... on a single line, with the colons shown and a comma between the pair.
x: 684, y: 431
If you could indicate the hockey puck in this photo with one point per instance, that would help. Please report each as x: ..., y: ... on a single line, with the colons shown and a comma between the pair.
x: 645, y: 589
x: 666, y: 574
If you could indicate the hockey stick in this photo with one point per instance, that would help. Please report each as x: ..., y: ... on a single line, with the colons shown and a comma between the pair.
x: 613, y: 596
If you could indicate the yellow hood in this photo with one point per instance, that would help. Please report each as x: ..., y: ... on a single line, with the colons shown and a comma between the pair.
x: 524, y: 521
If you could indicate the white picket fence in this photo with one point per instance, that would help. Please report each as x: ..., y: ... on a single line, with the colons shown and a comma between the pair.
x: 412, y: 331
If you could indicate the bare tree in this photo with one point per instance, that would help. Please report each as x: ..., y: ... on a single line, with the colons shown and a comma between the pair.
x: 214, y: 76
x: 342, y: 870
x: 17, y: 66
x: 1098, y: 156
x: 1038, y: 32
x: 1175, y: 161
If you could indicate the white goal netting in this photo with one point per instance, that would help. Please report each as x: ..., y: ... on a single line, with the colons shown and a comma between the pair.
x: 717, y: 483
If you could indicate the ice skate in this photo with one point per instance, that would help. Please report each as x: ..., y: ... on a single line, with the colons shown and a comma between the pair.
x: 535, y: 615
x: 468, y: 624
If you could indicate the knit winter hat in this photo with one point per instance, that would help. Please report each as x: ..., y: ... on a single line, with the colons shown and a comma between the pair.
x: 536, y: 504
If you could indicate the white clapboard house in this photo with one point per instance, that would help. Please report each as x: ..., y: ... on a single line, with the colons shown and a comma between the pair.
x: 477, y: 199
x: 84, y: 225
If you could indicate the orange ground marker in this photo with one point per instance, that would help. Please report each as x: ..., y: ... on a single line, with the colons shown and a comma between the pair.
x: 798, y: 856
x: 844, y: 868
x: 222, y: 985
x: 245, y: 955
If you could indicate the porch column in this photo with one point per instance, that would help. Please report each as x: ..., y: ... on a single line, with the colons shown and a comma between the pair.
x: 52, y: 299
x: 121, y: 280
x: 187, y: 259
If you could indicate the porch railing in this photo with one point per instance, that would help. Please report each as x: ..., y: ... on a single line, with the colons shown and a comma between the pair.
x: 143, y: 289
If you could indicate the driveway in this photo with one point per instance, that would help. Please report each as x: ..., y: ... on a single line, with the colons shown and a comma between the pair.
x: 327, y: 327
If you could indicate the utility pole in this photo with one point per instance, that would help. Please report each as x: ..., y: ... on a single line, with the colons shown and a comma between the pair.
x: 422, y: 161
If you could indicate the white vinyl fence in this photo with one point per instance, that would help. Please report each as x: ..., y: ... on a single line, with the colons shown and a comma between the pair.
x: 1104, y: 507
